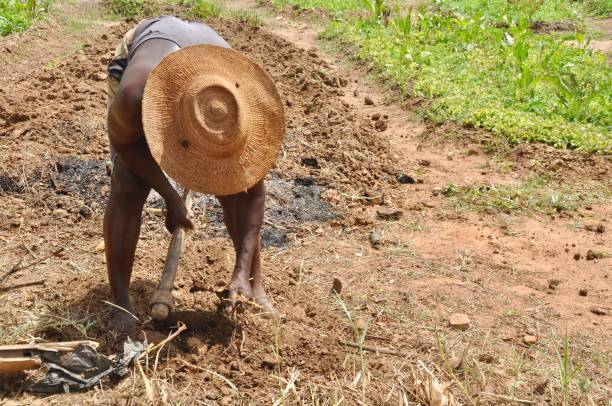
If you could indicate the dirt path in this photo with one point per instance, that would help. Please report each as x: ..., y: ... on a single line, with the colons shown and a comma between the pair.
x: 541, y: 248
x: 513, y: 274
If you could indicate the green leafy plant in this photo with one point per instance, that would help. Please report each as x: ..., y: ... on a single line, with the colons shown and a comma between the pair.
x: 377, y: 8
x: 126, y: 7
x: 206, y: 9
x: 17, y: 15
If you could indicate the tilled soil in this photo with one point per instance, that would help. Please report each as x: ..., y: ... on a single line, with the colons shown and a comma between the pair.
x: 337, y: 169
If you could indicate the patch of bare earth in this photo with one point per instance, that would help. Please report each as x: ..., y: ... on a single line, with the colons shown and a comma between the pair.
x: 341, y: 204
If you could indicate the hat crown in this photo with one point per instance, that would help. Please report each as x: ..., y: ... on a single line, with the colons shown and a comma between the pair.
x: 211, y: 116
x: 216, y: 109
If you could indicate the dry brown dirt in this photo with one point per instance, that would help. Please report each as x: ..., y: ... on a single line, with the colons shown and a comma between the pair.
x: 514, y: 274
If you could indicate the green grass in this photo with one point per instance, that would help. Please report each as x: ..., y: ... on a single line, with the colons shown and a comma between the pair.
x: 481, y: 65
x: 329, y: 5
x: 597, y: 8
x: 537, y: 194
x: 535, y: 10
x: 17, y: 15
x: 514, y: 82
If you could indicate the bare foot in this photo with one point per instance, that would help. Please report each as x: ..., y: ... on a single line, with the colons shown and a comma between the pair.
x: 260, y: 297
x: 239, y: 289
x: 266, y: 305
x: 122, y: 321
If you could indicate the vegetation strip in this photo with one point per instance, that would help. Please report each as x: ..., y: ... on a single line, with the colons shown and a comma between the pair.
x: 484, y: 64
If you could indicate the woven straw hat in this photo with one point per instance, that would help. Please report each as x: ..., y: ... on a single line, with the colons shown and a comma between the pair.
x: 213, y: 119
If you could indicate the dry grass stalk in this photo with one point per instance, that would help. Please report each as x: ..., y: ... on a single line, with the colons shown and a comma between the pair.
x: 429, y: 390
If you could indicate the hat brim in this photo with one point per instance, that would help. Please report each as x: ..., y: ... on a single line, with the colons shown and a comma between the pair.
x: 261, y: 117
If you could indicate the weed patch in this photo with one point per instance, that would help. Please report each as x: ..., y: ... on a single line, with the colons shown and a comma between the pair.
x: 126, y: 8
x: 538, y: 194
x: 516, y: 83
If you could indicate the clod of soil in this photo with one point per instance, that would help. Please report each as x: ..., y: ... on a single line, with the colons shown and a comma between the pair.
x: 389, y: 214
x: 311, y: 162
x: 541, y: 387
x: 375, y: 117
x: 424, y: 162
x: 530, y: 339
x: 459, y: 321
x: 151, y: 336
x: 597, y: 229
x: 269, y: 362
x: 554, y: 283
x: 593, y: 255
x: 337, y: 286
x: 368, y: 101
x: 598, y: 311
x: 583, y: 292
x: 380, y: 125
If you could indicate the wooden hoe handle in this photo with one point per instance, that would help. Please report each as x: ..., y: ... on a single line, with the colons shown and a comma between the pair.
x: 161, y: 302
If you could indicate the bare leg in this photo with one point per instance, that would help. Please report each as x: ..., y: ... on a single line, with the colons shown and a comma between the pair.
x: 243, y: 215
x: 122, y: 220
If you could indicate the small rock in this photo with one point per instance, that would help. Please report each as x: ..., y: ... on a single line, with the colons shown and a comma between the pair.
x: 436, y: 191
x: 368, y: 101
x: 486, y: 358
x: 375, y: 117
x: 577, y: 256
x: 405, y: 179
x: 424, y: 162
x: 99, y: 76
x: 225, y: 401
x: 540, y: 388
x: 459, y: 321
x: 100, y: 246
x: 196, y: 346
x: 375, y: 239
x: 356, y: 93
x: 60, y: 213
x: 456, y: 362
x: 554, y: 283
x: 529, y: 339
x: 361, y: 324
x: 336, y: 286
x: 212, y: 396
x: 389, y: 214
x: 598, y: 311
x: 600, y: 229
x: 234, y: 366
x: 583, y: 292
x: 85, y: 212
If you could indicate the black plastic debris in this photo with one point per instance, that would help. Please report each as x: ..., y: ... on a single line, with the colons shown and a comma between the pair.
x: 84, y: 368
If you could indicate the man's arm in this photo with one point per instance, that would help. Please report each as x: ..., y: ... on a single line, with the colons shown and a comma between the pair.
x: 127, y: 138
